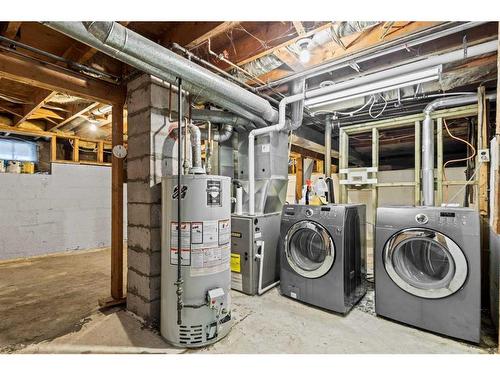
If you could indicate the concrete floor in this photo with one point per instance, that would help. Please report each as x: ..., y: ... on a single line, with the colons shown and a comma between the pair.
x: 49, y: 305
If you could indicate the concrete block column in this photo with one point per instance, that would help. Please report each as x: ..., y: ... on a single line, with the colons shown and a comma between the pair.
x: 147, y: 103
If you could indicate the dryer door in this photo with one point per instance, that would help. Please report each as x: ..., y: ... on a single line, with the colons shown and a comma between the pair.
x: 425, y: 263
x: 309, y: 249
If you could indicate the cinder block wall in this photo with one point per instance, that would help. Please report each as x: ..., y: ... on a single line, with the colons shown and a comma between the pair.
x: 148, y: 100
x: 69, y: 209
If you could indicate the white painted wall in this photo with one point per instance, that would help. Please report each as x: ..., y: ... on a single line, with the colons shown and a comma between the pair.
x: 69, y: 209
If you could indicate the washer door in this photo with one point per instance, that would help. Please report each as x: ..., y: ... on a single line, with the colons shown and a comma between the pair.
x: 309, y: 249
x: 425, y: 263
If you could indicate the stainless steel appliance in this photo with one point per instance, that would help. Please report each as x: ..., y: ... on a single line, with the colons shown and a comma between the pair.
x: 427, y: 269
x: 254, y: 252
x: 323, y: 255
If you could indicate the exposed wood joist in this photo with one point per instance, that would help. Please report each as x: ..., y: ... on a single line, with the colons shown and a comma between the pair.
x: 223, y: 27
x: 299, y: 27
x: 77, y: 111
x: 284, y: 44
x: 34, y: 73
x: 12, y: 29
x: 352, y: 43
x: 40, y: 97
x: 289, y: 59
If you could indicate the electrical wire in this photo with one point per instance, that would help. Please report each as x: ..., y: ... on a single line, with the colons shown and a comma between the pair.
x: 381, y: 111
x: 455, y: 160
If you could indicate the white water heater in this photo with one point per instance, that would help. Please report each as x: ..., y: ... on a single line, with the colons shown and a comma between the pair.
x: 205, y: 315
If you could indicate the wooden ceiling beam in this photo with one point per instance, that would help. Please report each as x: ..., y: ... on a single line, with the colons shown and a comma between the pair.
x: 77, y: 111
x: 223, y: 27
x: 283, y: 44
x: 12, y: 29
x: 299, y: 27
x: 39, y: 99
x: 34, y: 73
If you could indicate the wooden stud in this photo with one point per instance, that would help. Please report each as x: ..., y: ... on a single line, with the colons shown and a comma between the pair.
x: 299, y: 28
x: 53, y: 148
x: 100, y: 152
x: 299, y: 178
x: 117, y: 206
x: 482, y: 143
x: 76, y: 150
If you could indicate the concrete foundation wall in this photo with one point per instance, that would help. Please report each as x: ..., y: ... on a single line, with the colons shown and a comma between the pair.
x: 69, y: 209
x: 148, y: 126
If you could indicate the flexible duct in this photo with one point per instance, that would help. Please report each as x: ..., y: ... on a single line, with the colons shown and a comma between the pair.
x: 77, y: 31
x: 129, y: 42
x: 428, y: 141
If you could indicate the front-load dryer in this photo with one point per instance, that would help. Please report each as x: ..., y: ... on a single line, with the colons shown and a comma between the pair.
x: 322, y: 255
x: 427, y: 269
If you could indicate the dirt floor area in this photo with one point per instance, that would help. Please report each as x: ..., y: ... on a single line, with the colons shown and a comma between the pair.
x: 49, y: 305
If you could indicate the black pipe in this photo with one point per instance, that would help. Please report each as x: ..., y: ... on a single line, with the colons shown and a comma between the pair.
x: 179, y: 281
x: 69, y: 63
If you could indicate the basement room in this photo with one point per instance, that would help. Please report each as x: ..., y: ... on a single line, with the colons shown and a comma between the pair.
x: 194, y: 185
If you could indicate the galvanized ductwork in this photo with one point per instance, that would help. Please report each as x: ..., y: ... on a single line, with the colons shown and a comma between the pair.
x: 77, y: 31
x: 222, y: 135
x: 129, y: 42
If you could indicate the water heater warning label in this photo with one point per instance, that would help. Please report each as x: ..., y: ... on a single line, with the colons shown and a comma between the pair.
x: 185, y: 243
x: 208, y: 261
x: 224, y: 232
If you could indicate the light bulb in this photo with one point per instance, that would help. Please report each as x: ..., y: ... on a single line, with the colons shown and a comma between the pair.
x: 93, y: 127
x: 304, y: 56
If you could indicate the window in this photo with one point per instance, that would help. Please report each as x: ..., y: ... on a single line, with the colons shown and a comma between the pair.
x: 11, y: 149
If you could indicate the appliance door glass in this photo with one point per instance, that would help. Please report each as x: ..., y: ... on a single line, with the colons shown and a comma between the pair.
x: 425, y: 263
x: 309, y: 249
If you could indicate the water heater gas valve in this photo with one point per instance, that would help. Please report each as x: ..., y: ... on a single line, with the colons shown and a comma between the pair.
x: 215, y: 297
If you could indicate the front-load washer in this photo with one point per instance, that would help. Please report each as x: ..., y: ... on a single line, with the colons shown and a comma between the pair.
x: 322, y: 255
x: 427, y: 269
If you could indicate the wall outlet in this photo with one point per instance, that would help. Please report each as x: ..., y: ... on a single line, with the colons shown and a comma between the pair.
x: 484, y: 155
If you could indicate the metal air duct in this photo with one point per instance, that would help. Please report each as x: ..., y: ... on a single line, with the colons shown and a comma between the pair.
x: 77, y: 31
x: 129, y: 42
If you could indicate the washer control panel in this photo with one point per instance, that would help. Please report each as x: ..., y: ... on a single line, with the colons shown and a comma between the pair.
x: 308, y: 212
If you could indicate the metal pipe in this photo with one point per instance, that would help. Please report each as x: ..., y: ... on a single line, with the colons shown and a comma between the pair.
x: 192, y: 56
x: 399, y: 44
x: 297, y: 108
x: 72, y: 64
x: 77, y: 31
x: 328, y: 146
x: 281, y: 125
x: 179, y: 281
x: 220, y: 117
x: 383, y: 75
x: 127, y: 41
x: 209, y: 147
x: 218, y: 136
x: 428, y: 141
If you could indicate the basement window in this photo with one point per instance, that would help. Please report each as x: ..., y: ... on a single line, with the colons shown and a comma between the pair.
x: 20, y: 150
